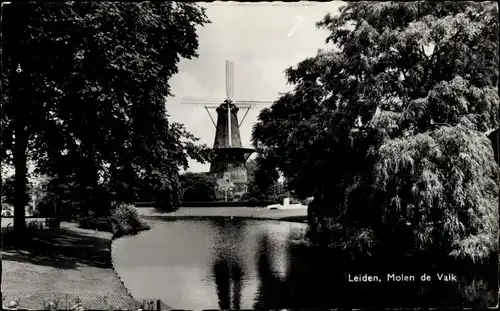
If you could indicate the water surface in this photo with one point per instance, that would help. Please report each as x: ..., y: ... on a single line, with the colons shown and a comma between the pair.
x: 255, y: 264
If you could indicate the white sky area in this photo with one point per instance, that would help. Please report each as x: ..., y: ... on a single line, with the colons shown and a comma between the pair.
x: 262, y: 39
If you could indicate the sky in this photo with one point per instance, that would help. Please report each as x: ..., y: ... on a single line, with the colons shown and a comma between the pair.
x: 262, y: 39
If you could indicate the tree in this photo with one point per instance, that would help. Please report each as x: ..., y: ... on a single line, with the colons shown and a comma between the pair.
x: 198, y: 187
x: 251, y: 167
x: 261, y: 184
x: 253, y: 188
x: 8, y: 192
x: 89, y: 106
x: 388, y: 129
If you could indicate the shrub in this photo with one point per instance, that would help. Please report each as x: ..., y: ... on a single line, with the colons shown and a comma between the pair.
x: 252, y: 196
x: 46, y: 207
x: 126, y: 220
x: 198, y: 186
x: 251, y: 200
x: 123, y: 220
x: 94, y: 222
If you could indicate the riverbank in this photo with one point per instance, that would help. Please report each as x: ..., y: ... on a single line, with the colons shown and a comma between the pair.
x: 295, y: 215
x: 63, y: 267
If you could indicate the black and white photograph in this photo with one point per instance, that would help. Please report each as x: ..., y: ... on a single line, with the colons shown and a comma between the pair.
x: 168, y: 155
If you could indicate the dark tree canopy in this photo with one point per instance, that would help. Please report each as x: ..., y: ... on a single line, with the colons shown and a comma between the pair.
x: 262, y: 184
x: 85, y: 89
x: 198, y: 187
x: 388, y: 128
x: 8, y: 191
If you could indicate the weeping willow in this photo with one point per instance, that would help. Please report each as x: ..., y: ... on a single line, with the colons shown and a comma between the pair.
x: 442, y: 183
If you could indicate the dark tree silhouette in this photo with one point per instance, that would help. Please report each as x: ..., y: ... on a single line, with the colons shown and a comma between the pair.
x: 388, y: 129
x: 89, y: 105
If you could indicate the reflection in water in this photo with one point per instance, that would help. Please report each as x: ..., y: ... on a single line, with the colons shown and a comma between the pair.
x: 237, y: 274
x: 226, y: 273
x: 222, y: 281
x: 270, y: 286
x: 227, y: 268
x: 245, y: 264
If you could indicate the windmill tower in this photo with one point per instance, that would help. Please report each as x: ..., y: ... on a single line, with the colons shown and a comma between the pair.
x: 230, y: 156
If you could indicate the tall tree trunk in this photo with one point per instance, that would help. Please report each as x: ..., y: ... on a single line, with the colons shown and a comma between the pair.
x: 19, y: 97
x: 21, y: 170
x: 89, y: 178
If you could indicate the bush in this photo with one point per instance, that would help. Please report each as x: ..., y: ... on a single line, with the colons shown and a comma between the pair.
x: 252, y: 196
x: 144, y: 204
x: 46, y: 207
x: 198, y: 186
x: 94, y: 222
x: 250, y: 200
x: 126, y: 220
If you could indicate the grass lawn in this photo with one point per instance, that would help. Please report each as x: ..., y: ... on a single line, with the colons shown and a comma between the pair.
x: 61, y: 266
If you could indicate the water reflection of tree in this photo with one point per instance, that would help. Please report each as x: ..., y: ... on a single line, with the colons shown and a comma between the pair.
x: 317, y: 278
x: 227, y: 269
x: 271, y: 292
x: 302, y: 287
x: 224, y: 272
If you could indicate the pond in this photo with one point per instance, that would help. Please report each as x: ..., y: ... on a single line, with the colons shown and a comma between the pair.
x: 257, y: 264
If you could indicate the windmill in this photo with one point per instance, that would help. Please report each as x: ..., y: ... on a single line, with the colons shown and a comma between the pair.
x: 230, y: 156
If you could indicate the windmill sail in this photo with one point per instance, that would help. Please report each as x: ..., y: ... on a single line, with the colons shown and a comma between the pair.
x: 229, y: 79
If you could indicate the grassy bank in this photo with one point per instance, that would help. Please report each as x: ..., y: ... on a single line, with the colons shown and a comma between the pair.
x: 62, y: 266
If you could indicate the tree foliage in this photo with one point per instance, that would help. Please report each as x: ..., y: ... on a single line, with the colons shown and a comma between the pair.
x: 388, y: 128
x: 262, y: 184
x: 89, y: 105
x: 8, y: 191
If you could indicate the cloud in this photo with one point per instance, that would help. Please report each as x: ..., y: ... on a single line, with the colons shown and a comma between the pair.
x: 300, y: 21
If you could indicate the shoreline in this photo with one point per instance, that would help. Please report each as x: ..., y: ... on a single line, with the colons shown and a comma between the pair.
x: 113, y: 239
